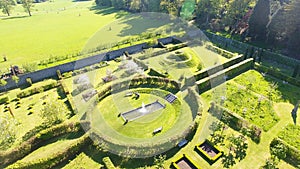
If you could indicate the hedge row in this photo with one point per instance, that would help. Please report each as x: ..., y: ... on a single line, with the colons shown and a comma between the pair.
x: 277, y: 74
x: 108, y: 163
x: 140, y: 63
x: 220, y: 51
x: 176, y: 47
x: 30, y: 91
x: 236, y: 122
x: 281, y: 59
x: 292, y: 153
x: 12, y: 155
x: 220, y: 77
x: 154, y: 72
x: 207, y: 72
x: 56, y: 158
x: 242, y: 47
x: 4, y: 99
x: 69, y: 97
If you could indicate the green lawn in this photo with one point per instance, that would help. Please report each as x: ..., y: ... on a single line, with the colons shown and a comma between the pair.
x: 82, y: 161
x: 291, y: 134
x: 51, y: 31
x: 143, y: 127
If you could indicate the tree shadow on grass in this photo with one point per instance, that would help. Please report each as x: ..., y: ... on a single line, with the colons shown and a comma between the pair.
x: 289, y: 93
x: 14, y: 17
x: 108, y: 11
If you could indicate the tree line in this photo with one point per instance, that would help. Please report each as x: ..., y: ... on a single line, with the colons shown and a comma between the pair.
x: 7, y: 6
x: 274, y: 23
x: 214, y: 14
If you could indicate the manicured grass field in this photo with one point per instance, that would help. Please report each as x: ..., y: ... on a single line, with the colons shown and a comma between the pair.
x: 143, y: 127
x: 56, y: 28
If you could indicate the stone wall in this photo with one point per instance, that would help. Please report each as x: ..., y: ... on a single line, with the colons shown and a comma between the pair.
x: 78, y: 64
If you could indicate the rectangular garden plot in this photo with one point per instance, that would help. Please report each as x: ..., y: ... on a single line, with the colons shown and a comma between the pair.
x: 208, y: 151
x: 184, y: 163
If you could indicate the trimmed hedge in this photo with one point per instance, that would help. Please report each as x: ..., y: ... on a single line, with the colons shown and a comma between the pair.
x: 218, y: 78
x: 220, y: 51
x: 108, y: 163
x: 69, y: 97
x: 4, y: 99
x: 31, y: 91
x: 154, y: 72
x: 12, y: 155
x: 236, y: 122
x: 277, y: 74
x: 140, y: 63
x: 174, y: 164
x: 207, y: 157
x: 176, y: 47
x: 212, y: 70
x: 54, y: 159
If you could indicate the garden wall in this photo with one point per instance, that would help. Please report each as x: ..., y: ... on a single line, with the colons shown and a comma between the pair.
x: 67, y: 67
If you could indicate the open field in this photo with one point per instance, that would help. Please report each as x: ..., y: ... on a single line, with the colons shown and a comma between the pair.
x: 66, y: 28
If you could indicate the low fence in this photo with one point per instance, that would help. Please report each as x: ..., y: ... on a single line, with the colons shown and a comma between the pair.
x: 78, y: 64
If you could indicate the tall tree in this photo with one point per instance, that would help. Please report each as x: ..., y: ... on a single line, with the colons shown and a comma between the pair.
x: 208, y: 9
x: 7, y: 133
x: 259, y: 20
x: 54, y: 112
x: 27, y: 5
x: 6, y: 6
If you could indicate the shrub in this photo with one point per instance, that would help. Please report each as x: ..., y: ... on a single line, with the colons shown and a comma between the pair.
x: 35, y: 90
x: 28, y: 80
x: 59, y: 74
x: 30, y: 67
x: 4, y: 99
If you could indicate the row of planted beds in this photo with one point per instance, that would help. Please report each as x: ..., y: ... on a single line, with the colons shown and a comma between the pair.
x: 206, y: 150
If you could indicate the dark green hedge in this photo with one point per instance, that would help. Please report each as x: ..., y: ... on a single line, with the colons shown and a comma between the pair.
x: 207, y: 72
x: 31, y: 91
x: 4, y: 99
x: 54, y: 159
x: 12, y: 155
x: 176, y: 47
x: 108, y: 163
x: 218, y: 78
x: 277, y: 74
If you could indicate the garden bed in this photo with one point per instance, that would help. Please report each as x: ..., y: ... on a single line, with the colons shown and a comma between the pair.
x: 184, y: 163
x: 208, y: 151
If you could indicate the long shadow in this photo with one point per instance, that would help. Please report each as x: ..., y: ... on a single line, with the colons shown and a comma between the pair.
x: 288, y: 92
x: 107, y: 11
x: 14, y: 17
